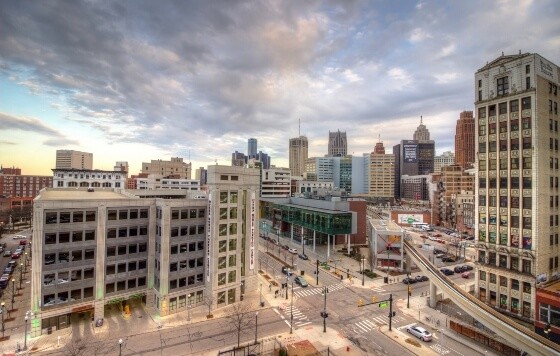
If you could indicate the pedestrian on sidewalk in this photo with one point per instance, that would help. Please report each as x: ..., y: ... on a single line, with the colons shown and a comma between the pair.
x: 276, y: 293
x: 270, y: 287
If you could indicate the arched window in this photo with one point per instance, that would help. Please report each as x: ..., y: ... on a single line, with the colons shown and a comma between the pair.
x: 107, y: 185
x: 72, y: 184
x: 95, y: 184
x: 84, y: 184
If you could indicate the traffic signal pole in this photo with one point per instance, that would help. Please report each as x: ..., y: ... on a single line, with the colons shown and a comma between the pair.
x: 382, y: 304
x: 390, y: 311
x: 317, y: 272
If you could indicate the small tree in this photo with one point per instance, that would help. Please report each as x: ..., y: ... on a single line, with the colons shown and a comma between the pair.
x: 239, y: 318
x: 208, y: 301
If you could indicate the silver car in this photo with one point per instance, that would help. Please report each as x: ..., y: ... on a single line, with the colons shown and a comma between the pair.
x: 420, y: 332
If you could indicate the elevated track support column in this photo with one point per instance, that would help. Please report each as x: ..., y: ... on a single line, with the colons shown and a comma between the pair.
x: 433, y: 295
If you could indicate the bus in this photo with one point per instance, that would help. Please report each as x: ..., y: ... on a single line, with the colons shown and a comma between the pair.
x: 422, y: 226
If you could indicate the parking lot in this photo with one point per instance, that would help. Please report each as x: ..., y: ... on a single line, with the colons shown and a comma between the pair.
x: 15, y: 287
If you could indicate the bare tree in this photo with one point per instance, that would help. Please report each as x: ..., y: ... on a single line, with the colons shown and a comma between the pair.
x: 208, y: 301
x: 239, y: 318
x: 84, y: 347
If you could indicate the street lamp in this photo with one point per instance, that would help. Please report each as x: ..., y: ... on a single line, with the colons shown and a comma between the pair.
x: 29, y: 314
x: 189, y: 307
x: 363, y: 274
x: 20, y: 274
x: 256, y: 326
x: 13, y: 292
x: 261, y: 297
x: 287, y: 280
x: 2, y: 309
x: 121, y: 341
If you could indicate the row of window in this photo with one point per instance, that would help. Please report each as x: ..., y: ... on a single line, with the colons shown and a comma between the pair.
x: 227, y: 261
x: 124, y: 285
x: 553, y: 262
x: 228, y: 197
x: 525, y: 243
x: 191, y: 298
x: 553, y: 239
x: 186, y: 264
x: 227, y: 245
x: 514, y: 145
x: 52, y: 238
x: 229, y: 277
x: 513, y: 202
x: 126, y: 214
x: 188, y: 247
x: 67, y: 276
x: 514, y: 181
x: 127, y: 231
x: 182, y: 214
x: 88, y: 185
x: 503, y: 107
x: 123, y: 250
x: 67, y: 256
x: 503, y: 281
x: 503, y: 126
x: 228, y: 213
x: 223, y: 229
x: 63, y: 297
x: 124, y: 267
x: 184, y: 282
x: 65, y: 217
x: 187, y: 230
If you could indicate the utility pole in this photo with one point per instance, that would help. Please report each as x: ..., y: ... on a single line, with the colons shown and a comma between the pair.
x: 390, y: 311
x: 363, y: 271
x: 317, y: 272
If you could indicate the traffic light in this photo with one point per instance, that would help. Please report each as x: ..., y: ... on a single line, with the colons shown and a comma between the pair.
x: 361, y: 302
x: 392, y: 314
x: 324, y: 314
x: 374, y: 299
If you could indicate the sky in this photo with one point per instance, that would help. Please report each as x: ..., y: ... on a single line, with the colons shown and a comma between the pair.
x: 142, y: 80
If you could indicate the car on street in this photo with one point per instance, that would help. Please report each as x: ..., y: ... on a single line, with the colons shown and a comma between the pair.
x: 467, y: 268
x: 447, y: 271
x: 286, y: 271
x: 301, y: 281
x: 459, y: 269
x: 285, y: 247
x: 8, y: 270
x: 303, y: 256
x: 23, y: 242
x: 421, y: 278
x: 466, y: 274
x: 424, y: 236
x: 7, y: 253
x: 409, y: 280
x: 292, y: 251
x: 16, y: 237
x: 447, y: 259
x: 16, y: 255
x: 440, y: 255
x: 4, y: 282
x: 419, y: 332
x: 436, y: 234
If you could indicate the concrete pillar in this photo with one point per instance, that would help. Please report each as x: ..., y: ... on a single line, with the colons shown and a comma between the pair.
x: 348, y: 238
x: 408, y: 263
x: 314, y: 236
x: 328, y: 246
x: 433, y: 295
x: 292, y: 232
x: 302, y: 237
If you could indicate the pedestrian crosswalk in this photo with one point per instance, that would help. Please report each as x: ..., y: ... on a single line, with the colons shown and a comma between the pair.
x: 367, y: 325
x: 300, y: 319
x: 305, y: 292
x: 441, y: 350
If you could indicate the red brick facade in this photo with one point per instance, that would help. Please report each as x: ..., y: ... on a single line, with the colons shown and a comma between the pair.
x: 464, y: 140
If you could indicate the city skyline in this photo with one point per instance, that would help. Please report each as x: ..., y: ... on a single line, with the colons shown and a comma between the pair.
x: 145, y: 81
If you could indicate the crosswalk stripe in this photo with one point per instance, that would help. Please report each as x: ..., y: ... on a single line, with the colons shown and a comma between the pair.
x: 302, y: 324
x: 370, y: 323
x: 362, y: 328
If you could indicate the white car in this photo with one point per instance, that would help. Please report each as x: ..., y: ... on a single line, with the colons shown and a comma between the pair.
x: 16, y: 237
x: 419, y: 332
x: 293, y: 251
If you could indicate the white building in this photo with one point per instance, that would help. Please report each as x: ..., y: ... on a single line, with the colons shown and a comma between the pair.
x: 309, y: 186
x: 88, y: 178
x: 157, y: 181
x: 445, y: 159
x: 174, y: 167
x: 276, y: 183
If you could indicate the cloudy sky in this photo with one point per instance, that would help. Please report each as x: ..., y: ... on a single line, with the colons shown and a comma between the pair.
x: 140, y: 80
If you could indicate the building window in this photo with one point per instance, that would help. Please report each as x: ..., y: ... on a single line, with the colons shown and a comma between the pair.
x: 514, y: 106
x: 502, y: 108
x: 526, y: 103
x: 514, y: 125
x: 514, y: 144
x: 527, y: 82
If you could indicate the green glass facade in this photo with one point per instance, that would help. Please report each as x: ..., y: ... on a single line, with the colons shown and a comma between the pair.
x: 332, y: 223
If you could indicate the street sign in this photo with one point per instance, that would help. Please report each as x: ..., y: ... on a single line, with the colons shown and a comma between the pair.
x: 383, y: 304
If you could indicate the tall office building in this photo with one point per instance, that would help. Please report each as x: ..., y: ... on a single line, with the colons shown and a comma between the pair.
x: 70, y: 159
x: 252, y: 148
x: 413, y: 157
x: 338, y: 146
x: 447, y: 158
x: 297, y: 155
x: 464, y: 140
x: 238, y: 159
x: 421, y: 133
x: 264, y: 158
x: 121, y: 166
x: 174, y: 168
x: 516, y: 200
x: 381, y: 173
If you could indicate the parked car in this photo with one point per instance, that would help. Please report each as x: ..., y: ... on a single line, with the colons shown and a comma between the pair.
x: 466, y: 274
x: 424, y: 236
x: 421, y: 278
x: 447, y: 259
x: 285, y: 247
x: 447, y: 271
x: 8, y: 270
x: 4, y: 282
x: 12, y: 264
x: 286, y: 271
x: 419, y: 332
x: 16, y: 255
x: 440, y: 255
x: 292, y: 251
x: 7, y: 253
x: 23, y: 242
x: 301, y: 281
x: 409, y: 280
x: 16, y: 237
x: 303, y: 256
x: 437, y: 250
x: 467, y: 268
x: 459, y: 269
x: 437, y: 234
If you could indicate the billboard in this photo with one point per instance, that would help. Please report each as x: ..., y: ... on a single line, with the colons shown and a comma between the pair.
x: 409, y: 218
x: 410, y: 153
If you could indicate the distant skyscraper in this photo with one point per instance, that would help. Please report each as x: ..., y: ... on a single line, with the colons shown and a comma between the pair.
x: 338, y: 146
x: 238, y: 159
x: 70, y: 159
x: 381, y: 173
x: 264, y: 158
x: 298, y: 154
x: 421, y: 133
x: 447, y: 158
x: 176, y: 168
x: 121, y: 166
x: 252, y: 148
x: 464, y: 140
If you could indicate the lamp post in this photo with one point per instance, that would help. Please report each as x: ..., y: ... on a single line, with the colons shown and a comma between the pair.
x: 121, y: 341
x: 25, y: 259
x: 13, y: 292
x: 292, y: 309
x: 256, y: 326
x: 2, y: 309
x: 20, y: 274
x: 287, y: 280
x: 29, y: 314
x: 408, y: 291
x: 261, y: 296
x: 363, y: 270
x: 189, y: 307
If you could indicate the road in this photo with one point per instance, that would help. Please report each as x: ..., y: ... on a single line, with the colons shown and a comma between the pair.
x: 361, y: 325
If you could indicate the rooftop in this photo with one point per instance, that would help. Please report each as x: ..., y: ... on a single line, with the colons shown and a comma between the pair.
x: 78, y: 194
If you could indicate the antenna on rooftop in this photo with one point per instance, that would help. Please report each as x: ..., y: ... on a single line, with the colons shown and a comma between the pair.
x: 299, y: 127
x: 420, y: 119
